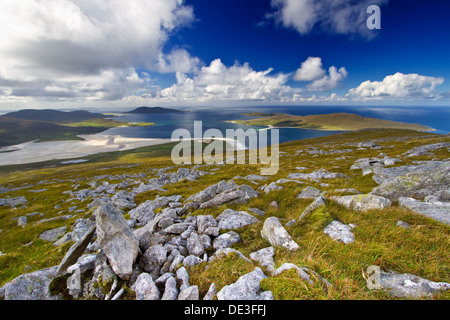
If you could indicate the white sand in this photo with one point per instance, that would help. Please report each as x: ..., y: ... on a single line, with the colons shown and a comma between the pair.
x: 30, y: 152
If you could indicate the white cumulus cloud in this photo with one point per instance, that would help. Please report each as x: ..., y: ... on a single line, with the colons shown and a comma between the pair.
x: 177, y: 61
x: 312, y: 70
x: 330, y: 81
x: 331, y: 16
x: 219, y: 82
x: 398, y: 86
x: 74, y: 47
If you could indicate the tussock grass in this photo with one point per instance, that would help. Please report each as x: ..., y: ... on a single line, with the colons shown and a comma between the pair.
x: 422, y: 250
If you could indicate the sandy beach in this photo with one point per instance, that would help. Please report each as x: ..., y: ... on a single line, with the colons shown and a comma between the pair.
x: 32, y: 151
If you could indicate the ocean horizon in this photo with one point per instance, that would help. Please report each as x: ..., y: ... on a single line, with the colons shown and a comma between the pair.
x: 437, y: 118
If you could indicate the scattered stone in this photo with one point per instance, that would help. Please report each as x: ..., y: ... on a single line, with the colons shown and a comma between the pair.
x: 301, y: 273
x: 246, y: 287
x: 231, y: 219
x: 439, y: 211
x: 13, y: 202
x: 348, y: 191
x: 31, y: 286
x: 177, y: 228
x: 274, y: 205
x: 118, y: 295
x: 363, y: 202
x: 226, y: 252
x: 84, y: 263
x: 22, y: 221
x: 117, y: 240
x: 257, y: 211
x: 75, y: 252
x: 369, y: 165
x: 212, y: 292
x: 410, y: 286
x: 226, y: 240
x: 190, y: 293
x: 145, y: 211
x: 309, y: 193
x: 170, y: 290
x: 339, y: 232
x: 195, y: 245
x: 223, y: 192
x: 317, y: 175
x: 145, y: 288
x: 53, y: 234
x: 205, y: 222
x: 271, y: 187
x: 265, y: 258
x: 282, y: 181
x: 191, y: 260
x: 153, y: 258
x: 318, y: 202
x: 425, y: 149
x: 255, y: 177
x: 183, y: 277
x: 290, y: 223
x: 367, y: 144
x: 431, y: 178
x: 403, y: 224
x: 276, y: 235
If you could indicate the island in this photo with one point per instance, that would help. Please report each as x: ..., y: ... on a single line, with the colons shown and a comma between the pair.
x: 326, y: 122
x: 153, y: 110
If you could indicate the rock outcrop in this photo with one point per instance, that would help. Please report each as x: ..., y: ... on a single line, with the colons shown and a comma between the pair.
x: 277, y: 235
x: 246, y: 287
x: 117, y: 240
x: 363, y: 202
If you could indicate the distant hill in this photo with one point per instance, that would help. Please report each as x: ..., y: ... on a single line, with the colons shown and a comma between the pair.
x: 14, y: 131
x: 54, y: 116
x: 153, y: 110
x: 329, y: 122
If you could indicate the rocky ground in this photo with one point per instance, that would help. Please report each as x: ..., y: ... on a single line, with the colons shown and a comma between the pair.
x: 140, y: 229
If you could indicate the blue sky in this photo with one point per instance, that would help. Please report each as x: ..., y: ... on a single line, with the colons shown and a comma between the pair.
x: 116, y: 54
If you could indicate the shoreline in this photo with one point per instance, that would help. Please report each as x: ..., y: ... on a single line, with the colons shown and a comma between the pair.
x: 32, y: 151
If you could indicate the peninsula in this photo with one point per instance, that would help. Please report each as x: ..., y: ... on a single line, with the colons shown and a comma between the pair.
x: 327, y: 122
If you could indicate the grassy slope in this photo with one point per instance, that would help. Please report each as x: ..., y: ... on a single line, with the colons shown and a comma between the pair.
x: 421, y: 250
x: 330, y: 122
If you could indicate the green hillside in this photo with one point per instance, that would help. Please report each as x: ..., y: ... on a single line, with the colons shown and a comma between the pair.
x: 421, y: 249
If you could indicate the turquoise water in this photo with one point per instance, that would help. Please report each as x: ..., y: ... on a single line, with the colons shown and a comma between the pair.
x: 435, y: 117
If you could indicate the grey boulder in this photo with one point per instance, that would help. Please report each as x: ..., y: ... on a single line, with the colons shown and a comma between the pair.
x: 231, y: 219
x: 363, y: 202
x: 339, y: 232
x: 145, y: 288
x: 410, y: 286
x: 226, y: 240
x: 276, y: 235
x: 439, y: 211
x: 116, y: 240
x: 53, y: 234
x: 246, y: 287
x: 31, y: 286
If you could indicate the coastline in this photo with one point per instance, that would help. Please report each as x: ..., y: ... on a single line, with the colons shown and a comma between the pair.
x: 32, y: 151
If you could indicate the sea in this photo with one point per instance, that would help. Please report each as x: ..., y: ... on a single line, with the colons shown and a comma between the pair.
x: 437, y: 118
